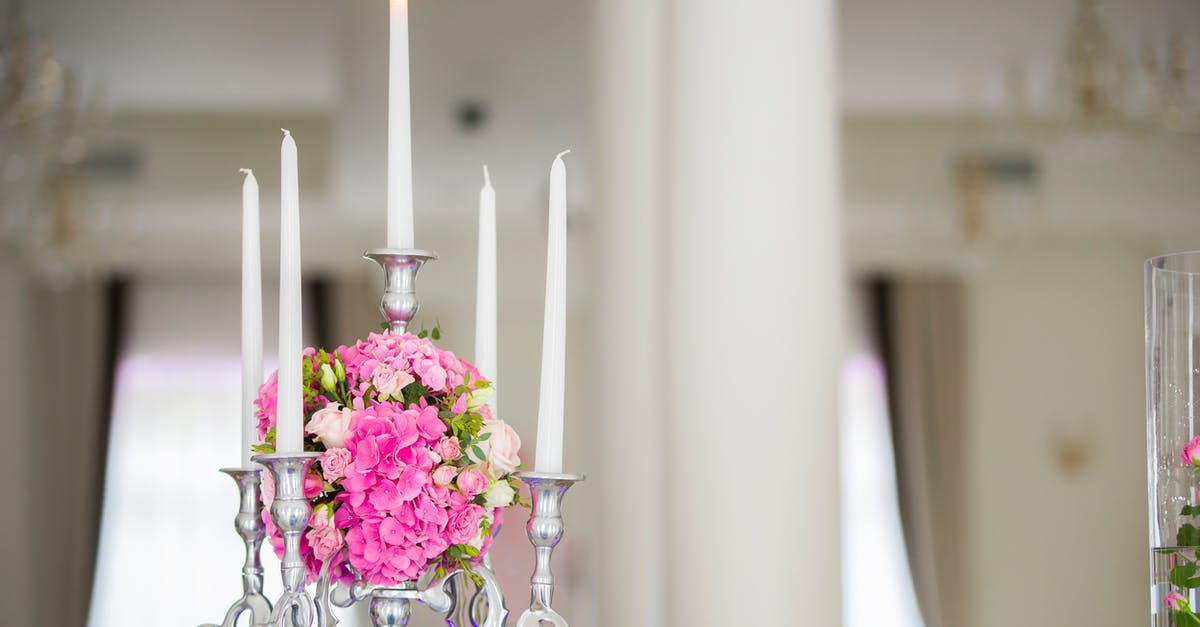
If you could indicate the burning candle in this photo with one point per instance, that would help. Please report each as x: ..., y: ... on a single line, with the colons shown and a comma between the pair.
x: 554, y: 329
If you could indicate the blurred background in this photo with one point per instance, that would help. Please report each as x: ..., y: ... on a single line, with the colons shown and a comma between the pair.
x: 854, y: 333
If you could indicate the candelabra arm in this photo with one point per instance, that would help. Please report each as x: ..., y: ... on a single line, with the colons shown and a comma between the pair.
x: 490, y: 613
x: 400, y: 266
x: 290, y: 512
x: 545, y: 529
x: 321, y: 599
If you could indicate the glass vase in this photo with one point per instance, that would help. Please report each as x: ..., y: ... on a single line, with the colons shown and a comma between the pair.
x: 1172, y: 384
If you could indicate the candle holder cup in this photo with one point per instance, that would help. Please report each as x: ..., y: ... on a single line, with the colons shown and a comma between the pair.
x: 290, y: 512
x: 249, y: 526
x: 400, y: 266
x: 545, y: 529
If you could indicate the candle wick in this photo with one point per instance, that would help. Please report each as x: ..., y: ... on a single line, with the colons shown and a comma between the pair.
x: 487, y: 178
x: 286, y: 132
x: 560, y: 155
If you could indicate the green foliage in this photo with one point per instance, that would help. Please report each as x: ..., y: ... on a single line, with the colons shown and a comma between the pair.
x: 414, y: 392
x: 1188, y: 535
x: 1184, y: 576
x: 1184, y: 618
x: 1190, y: 510
x: 435, y: 333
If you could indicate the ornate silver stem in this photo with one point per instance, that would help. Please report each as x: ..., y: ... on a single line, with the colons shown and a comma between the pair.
x: 545, y: 529
x: 392, y: 607
x: 400, y: 266
x: 249, y: 526
x: 290, y: 512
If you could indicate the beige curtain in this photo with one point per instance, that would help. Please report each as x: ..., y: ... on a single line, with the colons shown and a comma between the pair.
x: 923, y: 329
x: 70, y: 343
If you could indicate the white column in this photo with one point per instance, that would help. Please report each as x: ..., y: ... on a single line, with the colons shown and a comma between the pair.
x: 630, y: 217
x: 755, y: 274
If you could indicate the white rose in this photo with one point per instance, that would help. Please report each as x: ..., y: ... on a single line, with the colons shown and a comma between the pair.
x: 331, y: 425
x: 499, y: 494
x: 502, y: 449
x: 479, y: 397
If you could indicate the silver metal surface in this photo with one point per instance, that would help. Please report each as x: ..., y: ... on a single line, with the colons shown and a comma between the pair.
x: 321, y: 600
x: 391, y: 607
x: 290, y: 512
x: 249, y: 526
x: 485, y: 608
x: 545, y: 529
x: 400, y: 266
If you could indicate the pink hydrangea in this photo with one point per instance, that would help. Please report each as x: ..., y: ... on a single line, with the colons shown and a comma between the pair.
x: 400, y: 496
x: 266, y: 404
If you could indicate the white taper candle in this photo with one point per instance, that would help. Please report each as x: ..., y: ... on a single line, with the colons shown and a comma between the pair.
x: 485, y: 285
x: 289, y: 431
x: 554, y: 330
x: 399, y: 160
x: 252, y: 346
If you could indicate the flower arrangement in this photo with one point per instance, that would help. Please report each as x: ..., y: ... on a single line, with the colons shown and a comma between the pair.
x: 413, y: 471
x: 1185, y: 575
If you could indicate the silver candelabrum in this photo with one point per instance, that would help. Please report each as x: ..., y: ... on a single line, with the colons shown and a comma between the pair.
x: 452, y: 593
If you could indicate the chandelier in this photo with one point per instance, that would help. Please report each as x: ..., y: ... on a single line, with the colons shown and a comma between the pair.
x: 41, y: 138
x: 1100, y: 85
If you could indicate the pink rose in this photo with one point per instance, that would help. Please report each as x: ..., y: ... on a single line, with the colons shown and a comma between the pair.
x: 1191, y: 452
x: 1175, y: 600
x: 388, y: 381
x: 334, y: 462
x: 502, y: 449
x: 313, y: 485
x: 471, y: 482
x: 267, y: 488
x: 444, y: 475
x: 330, y: 425
x: 266, y: 405
x: 464, y: 524
x: 447, y: 448
x: 325, y: 541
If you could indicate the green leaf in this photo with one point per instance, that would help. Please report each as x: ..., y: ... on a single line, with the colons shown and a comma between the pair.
x: 383, y: 325
x: 485, y: 437
x: 413, y: 392
x: 1184, y: 576
x: 1188, y: 535
x: 478, y: 453
x: 436, y: 333
x: 1184, y: 618
x: 1190, y: 510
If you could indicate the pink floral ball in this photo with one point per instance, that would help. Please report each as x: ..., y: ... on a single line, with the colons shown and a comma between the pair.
x: 414, y: 470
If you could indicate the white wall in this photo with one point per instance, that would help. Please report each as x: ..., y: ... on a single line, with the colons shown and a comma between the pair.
x: 1055, y: 361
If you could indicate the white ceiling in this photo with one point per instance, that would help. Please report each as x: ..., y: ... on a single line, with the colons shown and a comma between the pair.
x: 236, y: 55
x: 951, y: 55
x: 173, y: 68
